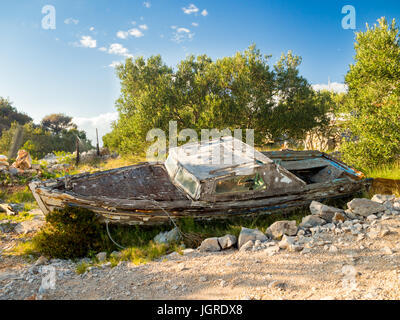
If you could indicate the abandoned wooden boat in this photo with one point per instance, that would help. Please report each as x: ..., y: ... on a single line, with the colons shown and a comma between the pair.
x: 197, y: 181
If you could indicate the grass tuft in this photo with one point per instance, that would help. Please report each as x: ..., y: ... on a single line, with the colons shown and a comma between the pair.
x: 389, y: 171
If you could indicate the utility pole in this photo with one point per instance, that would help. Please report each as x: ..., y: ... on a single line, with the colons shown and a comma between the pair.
x: 98, y: 147
x: 77, y: 151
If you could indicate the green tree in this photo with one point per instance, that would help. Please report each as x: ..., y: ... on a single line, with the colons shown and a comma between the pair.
x: 242, y: 91
x: 39, y: 141
x: 8, y: 115
x: 57, y: 122
x: 372, y: 105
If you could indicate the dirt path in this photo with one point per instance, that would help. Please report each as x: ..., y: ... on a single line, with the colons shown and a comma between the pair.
x: 332, y: 266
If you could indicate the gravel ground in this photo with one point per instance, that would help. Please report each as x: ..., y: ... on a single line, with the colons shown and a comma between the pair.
x: 347, y: 263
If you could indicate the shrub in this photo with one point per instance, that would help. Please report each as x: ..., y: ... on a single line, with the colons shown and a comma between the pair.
x: 70, y: 233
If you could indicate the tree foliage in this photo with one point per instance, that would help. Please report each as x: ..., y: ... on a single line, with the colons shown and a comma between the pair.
x: 57, y: 122
x: 9, y: 114
x: 39, y: 141
x: 373, y: 101
x: 238, y: 92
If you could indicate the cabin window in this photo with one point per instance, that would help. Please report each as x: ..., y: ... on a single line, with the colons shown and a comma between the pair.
x: 241, y: 184
x: 187, y: 182
x: 171, y: 166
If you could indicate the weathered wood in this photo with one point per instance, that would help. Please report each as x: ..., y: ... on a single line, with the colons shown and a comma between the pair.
x: 142, y: 194
x: 287, y: 155
x: 305, y: 164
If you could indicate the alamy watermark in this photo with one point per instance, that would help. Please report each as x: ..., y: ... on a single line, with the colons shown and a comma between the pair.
x: 48, y: 279
x: 49, y: 20
x: 158, y: 150
x: 349, y: 282
x: 349, y: 20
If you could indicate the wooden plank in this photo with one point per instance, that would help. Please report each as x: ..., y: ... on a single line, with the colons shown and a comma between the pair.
x: 292, y: 155
x: 305, y: 164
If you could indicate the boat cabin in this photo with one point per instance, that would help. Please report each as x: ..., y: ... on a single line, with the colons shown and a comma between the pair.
x: 226, y: 168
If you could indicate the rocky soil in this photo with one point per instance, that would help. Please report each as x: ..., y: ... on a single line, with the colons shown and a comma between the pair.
x: 357, y: 257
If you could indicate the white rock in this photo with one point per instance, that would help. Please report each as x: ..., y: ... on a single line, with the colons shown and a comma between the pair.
x: 311, y: 221
x: 396, y: 205
x: 287, y: 242
x: 250, y: 234
x: 280, y: 228
x: 247, y: 246
x: 210, y: 245
x: 365, y: 207
x: 101, y: 256
x: 382, y: 198
x: 227, y: 241
x: 188, y: 251
x: 373, y: 234
x: 323, y: 211
x: 306, y: 250
x: 270, y: 251
x: 333, y: 249
x: 372, y: 217
x: 360, y: 237
x: 387, y: 250
x: 223, y: 283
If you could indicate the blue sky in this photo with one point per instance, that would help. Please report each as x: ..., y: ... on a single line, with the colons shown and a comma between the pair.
x: 69, y: 69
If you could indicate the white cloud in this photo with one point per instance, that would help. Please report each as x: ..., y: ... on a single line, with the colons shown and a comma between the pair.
x: 88, y: 42
x: 204, y: 13
x: 144, y: 27
x: 115, y: 64
x: 181, y: 35
x: 103, y: 49
x: 120, y: 50
x: 91, y: 28
x: 333, y: 86
x: 147, y: 4
x: 191, y: 9
x: 195, y: 24
x: 122, y: 34
x: 102, y: 122
x: 180, y: 30
x: 136, y: 33
x: 71, y: 21
x: 133, y: 23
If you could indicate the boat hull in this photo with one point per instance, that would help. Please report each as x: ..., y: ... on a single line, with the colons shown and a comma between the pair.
x: 151, y: 212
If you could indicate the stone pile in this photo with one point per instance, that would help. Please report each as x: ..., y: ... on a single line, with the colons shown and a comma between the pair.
x: 22, y: 165
x: 57, y: 163
x: 359, y: 219
x: 91, y: 155
x: 11, y: 209
x: 4, y: 163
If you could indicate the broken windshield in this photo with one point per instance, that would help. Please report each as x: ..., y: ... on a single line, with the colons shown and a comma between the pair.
x: 187, y: 182
x: 241, y: 184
